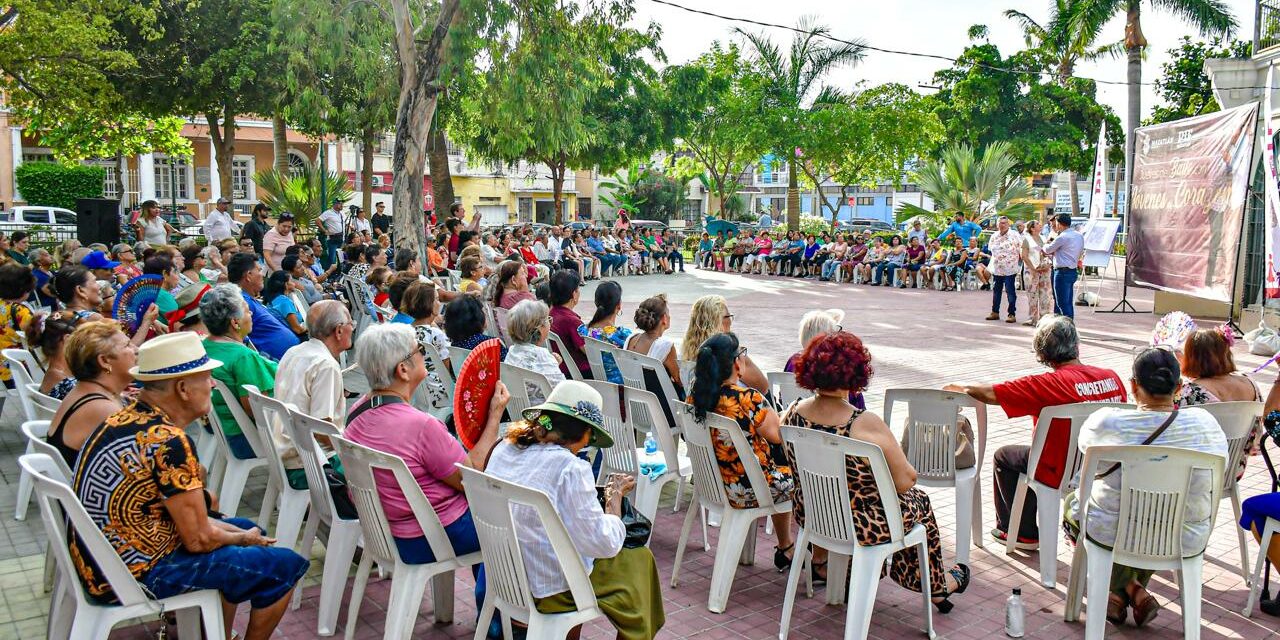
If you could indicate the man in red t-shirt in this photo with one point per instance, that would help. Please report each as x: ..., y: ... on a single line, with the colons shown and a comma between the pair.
x: 1068, y: 382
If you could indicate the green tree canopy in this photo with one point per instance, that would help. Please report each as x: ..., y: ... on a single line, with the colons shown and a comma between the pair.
x: 1183, y: 86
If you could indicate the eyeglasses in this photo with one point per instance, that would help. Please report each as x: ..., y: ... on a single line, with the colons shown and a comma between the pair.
x: 741, y: 352
x: 728, y: 316
x: 419, y: 350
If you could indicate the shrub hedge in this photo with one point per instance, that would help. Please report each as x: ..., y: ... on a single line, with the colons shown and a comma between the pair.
x: 57, y: 185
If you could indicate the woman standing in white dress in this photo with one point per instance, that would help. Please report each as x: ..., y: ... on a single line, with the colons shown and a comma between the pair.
x: 151, y: 227
x: 1037, y: 276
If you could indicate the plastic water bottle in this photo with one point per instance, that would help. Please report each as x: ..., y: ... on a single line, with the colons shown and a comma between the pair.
x: 1015, y: 616
x: 650, y: 445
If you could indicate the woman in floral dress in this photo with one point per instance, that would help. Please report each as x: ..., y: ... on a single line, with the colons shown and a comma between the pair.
x: 1037, y: 276
x: 833, y: 366
x: 603, y: 325
x: 716, y: 389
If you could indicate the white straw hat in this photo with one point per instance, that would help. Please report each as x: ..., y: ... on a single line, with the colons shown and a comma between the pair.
x: 172, y: 356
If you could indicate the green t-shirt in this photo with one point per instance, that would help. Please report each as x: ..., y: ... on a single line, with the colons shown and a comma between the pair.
x: 166, y: 302
x: 240, y: 366
x: 19, y: 257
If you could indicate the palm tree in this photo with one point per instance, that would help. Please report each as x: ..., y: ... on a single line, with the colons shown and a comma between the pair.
x: 1209, y: 17
x: 1062, y: 43
x: 794, y: 82
x: 976, y: 186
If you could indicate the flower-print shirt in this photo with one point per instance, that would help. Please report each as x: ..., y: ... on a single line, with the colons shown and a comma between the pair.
x: 13, y: 317
x: 747, y: 407
x: 616, y: 336
x: 1006, y: 253
x: 432, y: 390
x: 128, y: 467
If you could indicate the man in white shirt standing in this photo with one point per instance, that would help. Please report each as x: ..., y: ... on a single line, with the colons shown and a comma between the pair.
x: 1006, y: 258
x: 918, y: 232
x: 217, y: 225
x: 1066, y: 250
x: 330, y: 223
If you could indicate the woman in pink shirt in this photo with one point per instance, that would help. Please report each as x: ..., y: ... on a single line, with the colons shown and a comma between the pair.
x: 387, y: 421
x: 277, y: 240
x: 764, y: 247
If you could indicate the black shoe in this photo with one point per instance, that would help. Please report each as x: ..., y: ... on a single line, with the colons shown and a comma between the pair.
x: 961, y: 574
x: 813, y: 570
x: 780, y: 559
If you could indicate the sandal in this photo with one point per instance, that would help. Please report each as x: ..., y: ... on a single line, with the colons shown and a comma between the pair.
x: 1117, y: 609
x: 1146, y: 611
x: 813, y: 571
x: 780, y: 559
x: 962, y: 575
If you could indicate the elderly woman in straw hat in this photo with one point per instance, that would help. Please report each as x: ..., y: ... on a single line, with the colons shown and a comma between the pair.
x: 541, y: 453
x: 140, y: 482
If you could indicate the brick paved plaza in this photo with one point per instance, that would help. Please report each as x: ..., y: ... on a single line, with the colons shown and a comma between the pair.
x: 918, y: 339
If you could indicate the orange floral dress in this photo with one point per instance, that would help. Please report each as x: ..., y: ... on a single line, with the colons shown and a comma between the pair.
x: 747, y: 407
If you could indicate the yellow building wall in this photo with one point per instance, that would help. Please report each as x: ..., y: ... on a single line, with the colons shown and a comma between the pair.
x: 477, y: 191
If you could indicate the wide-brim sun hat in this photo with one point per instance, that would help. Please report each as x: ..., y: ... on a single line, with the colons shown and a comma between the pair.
x: 576, y: 400
x: 172, y: 356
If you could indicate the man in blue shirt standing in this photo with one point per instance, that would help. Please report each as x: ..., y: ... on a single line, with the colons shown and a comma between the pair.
x: 269, y: 335
x: 1066, y: 250
x: 964, y: 229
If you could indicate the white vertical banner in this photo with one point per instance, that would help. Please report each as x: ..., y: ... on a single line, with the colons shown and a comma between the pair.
x: 1272, y: 194
x: 1098, y: 194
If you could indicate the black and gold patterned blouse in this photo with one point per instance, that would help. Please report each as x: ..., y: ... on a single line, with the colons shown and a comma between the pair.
x: 127, y: 468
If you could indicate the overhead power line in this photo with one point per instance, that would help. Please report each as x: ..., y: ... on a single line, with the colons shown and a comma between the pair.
x: 915, y: 54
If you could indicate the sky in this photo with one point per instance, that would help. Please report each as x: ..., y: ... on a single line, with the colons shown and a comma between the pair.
x: 925, y: 26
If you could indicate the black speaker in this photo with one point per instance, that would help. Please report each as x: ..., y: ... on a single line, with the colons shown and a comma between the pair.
x: 98, y: 220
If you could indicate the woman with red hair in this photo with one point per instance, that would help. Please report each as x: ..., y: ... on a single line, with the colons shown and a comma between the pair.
x: 833, y: 366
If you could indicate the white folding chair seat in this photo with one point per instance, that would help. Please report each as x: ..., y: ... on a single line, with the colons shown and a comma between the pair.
x: 46, y: 406
x: 408, y: 581
x: 737, y: 540
x: 279, y: 496
x: 1049, y: 498
x: 931, y: 434
x: 37, y: 434
x: 507, y: 588
x: 823, y: 480
x: 785, y: 388
x: 236, y: 473
x: 557, y: 346
x: 22, y: 382
x: 72, y: 614
x: 344, y: 535
x: 596, y: 350
x: 1154, y: 483
x: 1239, y: 422
x: 527, y: 388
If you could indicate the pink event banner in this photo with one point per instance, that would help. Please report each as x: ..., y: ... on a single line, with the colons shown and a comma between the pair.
x: 1187, y: 201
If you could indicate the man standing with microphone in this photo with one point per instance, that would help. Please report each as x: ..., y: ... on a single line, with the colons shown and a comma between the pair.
x: 1066, y: 250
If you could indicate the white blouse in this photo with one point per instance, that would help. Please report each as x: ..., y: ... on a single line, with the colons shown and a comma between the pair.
x: 537, y: 359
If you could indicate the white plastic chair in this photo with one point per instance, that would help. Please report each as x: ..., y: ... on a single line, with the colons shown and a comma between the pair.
x: 37, y: 433
x: 785, y: 388
x: 524, y: 386
x: 623, y: 456
x: 823, y: 479
x: 506, y: 582
x: 1049, y: 498
x: 237, y: 471
x: 737, y: 541
x: 645, y: 414
x: 22, y: 377
x: 557, y: 346
x: 1271, y: 528
x: 408, y: 581
x: 500, y: 325
x: 457, y: 356
x: 46, y: 406
x: 300, y: 302
x: 422, y: 398
x: 278, y: 496
x: 1154, y: 484
x: 932, y: 432
x: 1237, y: 420
x: 72, y: 614
x: 596, y: 350
x: 344, y: 535
x: 35, y: 368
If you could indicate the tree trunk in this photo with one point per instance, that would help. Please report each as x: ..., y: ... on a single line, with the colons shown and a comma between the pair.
x: 419, y: 68
x: 557, y: 191
x: 279, y: 144
x: 1134, y: 43
x: 367, y: 146
x: 122, y: 167
x: 1075, y: 194
x: 793, y: 197
x: 441, y: 174
x: 224, y: 146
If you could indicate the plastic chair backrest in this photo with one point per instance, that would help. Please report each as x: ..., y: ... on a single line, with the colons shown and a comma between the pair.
x: 622, y: 456
x: 932, y: 429
x: 629, y: 367
x: 446, y: 375
x: 45, y: 406
x: 247, y: 425
x: 785, y: 388
x: 596, y: 351
x: 37, y: 433
x: 524, y: 385
x: 21, y: 378
x: 500, y: 318
x: 303, y: 430
x: 557, y: 346
x: 646, y: 416
x: 269, y: 413
x: 707, y: 480
x: 659, y: 371
x: 300, y: 301
x: 1238, y: 421
x: 491, y: 501
x: 361, y: 464
x: 59, y: 506
x: 1154, y: 484
x: 1076, y: 413
x: 822, y: 468
x: 457, y: 356
x: 29, y: 360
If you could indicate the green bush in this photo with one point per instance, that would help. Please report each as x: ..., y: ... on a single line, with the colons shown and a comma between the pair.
x: 58, y: 185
